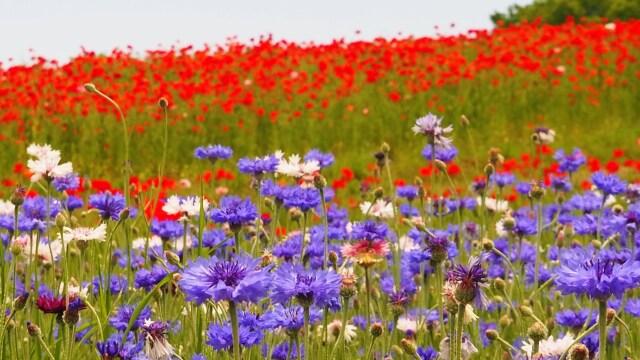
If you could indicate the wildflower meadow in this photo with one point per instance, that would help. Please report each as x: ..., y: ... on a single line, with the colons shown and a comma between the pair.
x: 461, y: 197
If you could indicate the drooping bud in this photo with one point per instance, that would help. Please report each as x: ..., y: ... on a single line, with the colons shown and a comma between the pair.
x: 440, y: 165
x: 487, y: 244
x: 525, y: 310
x: 611, y: 314
x: 409, y: 347
x: 90, y: 88
x: 172, y: 257
x: 492, y: 334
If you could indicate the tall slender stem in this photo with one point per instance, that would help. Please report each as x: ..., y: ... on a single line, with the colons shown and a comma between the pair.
x: 602, y: 327
x: 233, y: 313
x: 307, y: 333
x: 459, y: 324
x: 538, y: 246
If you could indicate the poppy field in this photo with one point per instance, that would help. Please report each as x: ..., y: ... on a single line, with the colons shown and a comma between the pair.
x: 460, y: 197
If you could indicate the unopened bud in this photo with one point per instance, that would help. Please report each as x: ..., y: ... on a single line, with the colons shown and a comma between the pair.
x: 376, y: 330
x: 489, y: 169
x: 90, y: 88
x: 611, y: 314
x: 492, y: 334
x: 378, y: 193
x: 499, y: 284
x: 172, y: 257
x: 440, y: 165
x: 505, y: 321
x: 333, y: 258
x: 537, y: 191
x: 525, y: 311
x: 551, y: 323
x: 17, y: 198
x: 417, y: 181
x: 537, y: 331
x: 617, y: 209
x: 124, y: 214
x: 579, y: 352
x: 464, y: 121
x: 163, y: 103
x: 177, y: 277
x: 295, y: 214
x: 33, y: 330
x: 397, y: 350
x: 409, y: 347
x: 61, y: 221
x: 20, y: 302
x: 508, y: 222
x: 487, y: 244
x: 385, y: 148
x: 319, y: 182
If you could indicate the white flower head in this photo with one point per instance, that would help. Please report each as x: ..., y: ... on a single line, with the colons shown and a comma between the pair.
x: 37, y: 151
x: 44, y: 255
x: 407, y: 244
x: 550, y: 346
x: 140, y: 243
x: 98, y: 233
x: 334, y: 329
x: 156, y: 346
x: 48, y: 166
x: 467, y: 349
x: 189, y: 205
x: 544, y: 135
x: 295, y: 168
x: 406, y: 323
x: 493, y: 204
x: 6, y: 207
x: 380, y: 209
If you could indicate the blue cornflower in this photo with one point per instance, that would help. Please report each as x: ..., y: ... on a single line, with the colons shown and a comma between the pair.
x: 442, y: 154
x: 408, y: 211
x: 290, y: 248
x: 167, y: 229
x: 236, y: 214
x: 574, y: 319
x: 291, y: 319
x: 587, y: 202
x: 36, y: 208
x: 319, y: 287
x: 478, y: 186
x: 304, y: 199
x: 116, y: 284
x: 570, y: 163
x: 369, y: 230
x: 408, y: 192
x: 438, y: 248
x: 213, y: 237
x: 281, y: 351
x: 599, y: 278
x: 608, y: 184
x: 258, y: 166
x: 73, y: 202
x: 561, y: 184
x: 213, y: 152
x: 469, y: 280
x: 67, y: 182
x: 633, y: 307
x: 431, y: 127
x: 323, y: 159
x: 220, y: 336
x: 121, y: 319
x: 108, y: 349
x: 523, y: 188
x: 239, y: 279
x: 148, y: 279
x: 270, y: 188
x: 109, y: 205
x: 427, y: 354
x: 503, y: 179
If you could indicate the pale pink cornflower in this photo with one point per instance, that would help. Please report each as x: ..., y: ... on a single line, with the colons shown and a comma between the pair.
x: 366, y: 253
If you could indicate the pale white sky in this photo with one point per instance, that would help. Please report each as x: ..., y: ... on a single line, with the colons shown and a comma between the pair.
x: 58, y: 28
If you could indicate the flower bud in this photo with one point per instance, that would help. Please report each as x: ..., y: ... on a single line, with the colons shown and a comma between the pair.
x: 537, y: 191
x: 617, y: 209
x: 295, y: 214
x: 492, y: 334
x: 409, y: 347
x: 319, y: 182
x: 20, y: 302
x: 71, y: 316
x: 17, y: 198
x: 163, y: 103
x: 489, y: 169
x: 417, y: 181
x: 385, y: 148
x: 505, y: 321
x: 172, y: 257
x: 525, y: 311
x: 397, y: 350
x: 487, y: 244
x: 376, y: 330
x: 60, y: 220
x: 499, y: 284
x: 348, y: 291
x: 464, y: 121
x: 378, y: 193
x: 33, y: 330
x: 124, y: 214
x: 537, y: 331
x: 16, y: 249
x: 90, y: 88
x: 176, y: 277
x: 508, y: 222
x: 611, y: 314
x: 440, y: 165
x: 579, y: 352
x: 551, y: 323
x: 333, y: 258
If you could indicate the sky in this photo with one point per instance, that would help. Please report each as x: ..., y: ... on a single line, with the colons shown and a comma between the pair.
x: 57, y: 29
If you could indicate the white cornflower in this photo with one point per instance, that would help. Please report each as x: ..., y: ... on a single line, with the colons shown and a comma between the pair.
x: 7, y: 208
x: 431, y: 127
x: 406, y: 323
x: 156, y: 346
x: 75, y: 290
x: 86, y: 233
x: 550, y: 346
x: 380, y: 209
x: 334, y: 328
x: 493, y: 204
x: 469, y: 315
x: 467, y: 349
x: 407, y: 244
x: 140, y: 243
x: 44, y: 255
x: 545, y: 135
x: 48, y: 166
x: 189, y: 205
x: 294, y: 168
x: 36, y: 150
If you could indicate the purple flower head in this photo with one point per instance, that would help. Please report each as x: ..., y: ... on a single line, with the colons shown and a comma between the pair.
x: 608, y: 184
x: 479, y: 186
x: 270, y: 188
x: 408, y: 192
x: 570, y: 163
x: 523, y: 188
x: 67, y: 182
x: 323, y: 159
x: 599, y: 277
x: 503, y: 179
x: 240, y: 279
x: 167, y: 229
x: 73, y: 202
x: 35, y: 208
x: 308, y: 287
x: 213, y: 152
x: 443, y: 154
x: 438, y: 248
x: 116, y: 284
x: 633, y: 307
x: 220, y: 336
x: 303, y: 198
x: 427, y: 354
x: 574, y: 319
x: 109, y: 205
x: 369, y: 230
x: 258, y: 166
x: 587, y: 202
x: 561, y: 184
x: 147, y: 279
x: 291, y: 319
x: 108, y: 350
x: 121, y: 319
x: 431, y: 127
x: 469, y: 280
x: 281, y: 352
x: 235, y: 214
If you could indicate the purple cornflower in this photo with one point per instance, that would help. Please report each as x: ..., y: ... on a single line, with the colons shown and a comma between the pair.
x: 303, y: 198
x: 116, y: 284
x: 442, y: 154
x: 156, y: 345
x: 238, y: 280
x: 561, y: 184
x: 587, y: 202
x: 478, y: 186
x: 408, y: 192
x: 438, y: 248
x: 323, y: 159
x: 121, y: 319
x: 633, y: 307
x: 108, y: 350
x: 574, y: 319
x: 281, y: 352
x: 369, y: 230
x: 167, y: 229
x: 67, y: 182
x: 236, y: 214
x: 523, y: 188
x: 427, y: 354
x: 148, y: 279
x: 608, y: 184
x: 319, y: 287
x: 570, y: 163
x: 73, y: 202
x: 599, y: 278
x: 220, y: 336
x: 257, y: 167
x: 469, y: 281
x: 213, y: 152
x: 36, y: 208
x: 431, y: 127
x: 503, y: 179
x: 270, y: 188
x: 291, y: 319
x: 109, y: 205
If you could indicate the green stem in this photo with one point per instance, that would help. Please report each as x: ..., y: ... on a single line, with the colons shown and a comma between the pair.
x: 307, y: 333
x: 602, y: 327
x: 439, y: 297
x: 304, y: 234
x: 459, y: 329
x: 233, y: 312
x: 184, y: 242
x: 538, y: 246
x: 343, y: 327
x: 42, y: 343
x: 452, y: 335
x: 367, y: 306
x: 604, y: 199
